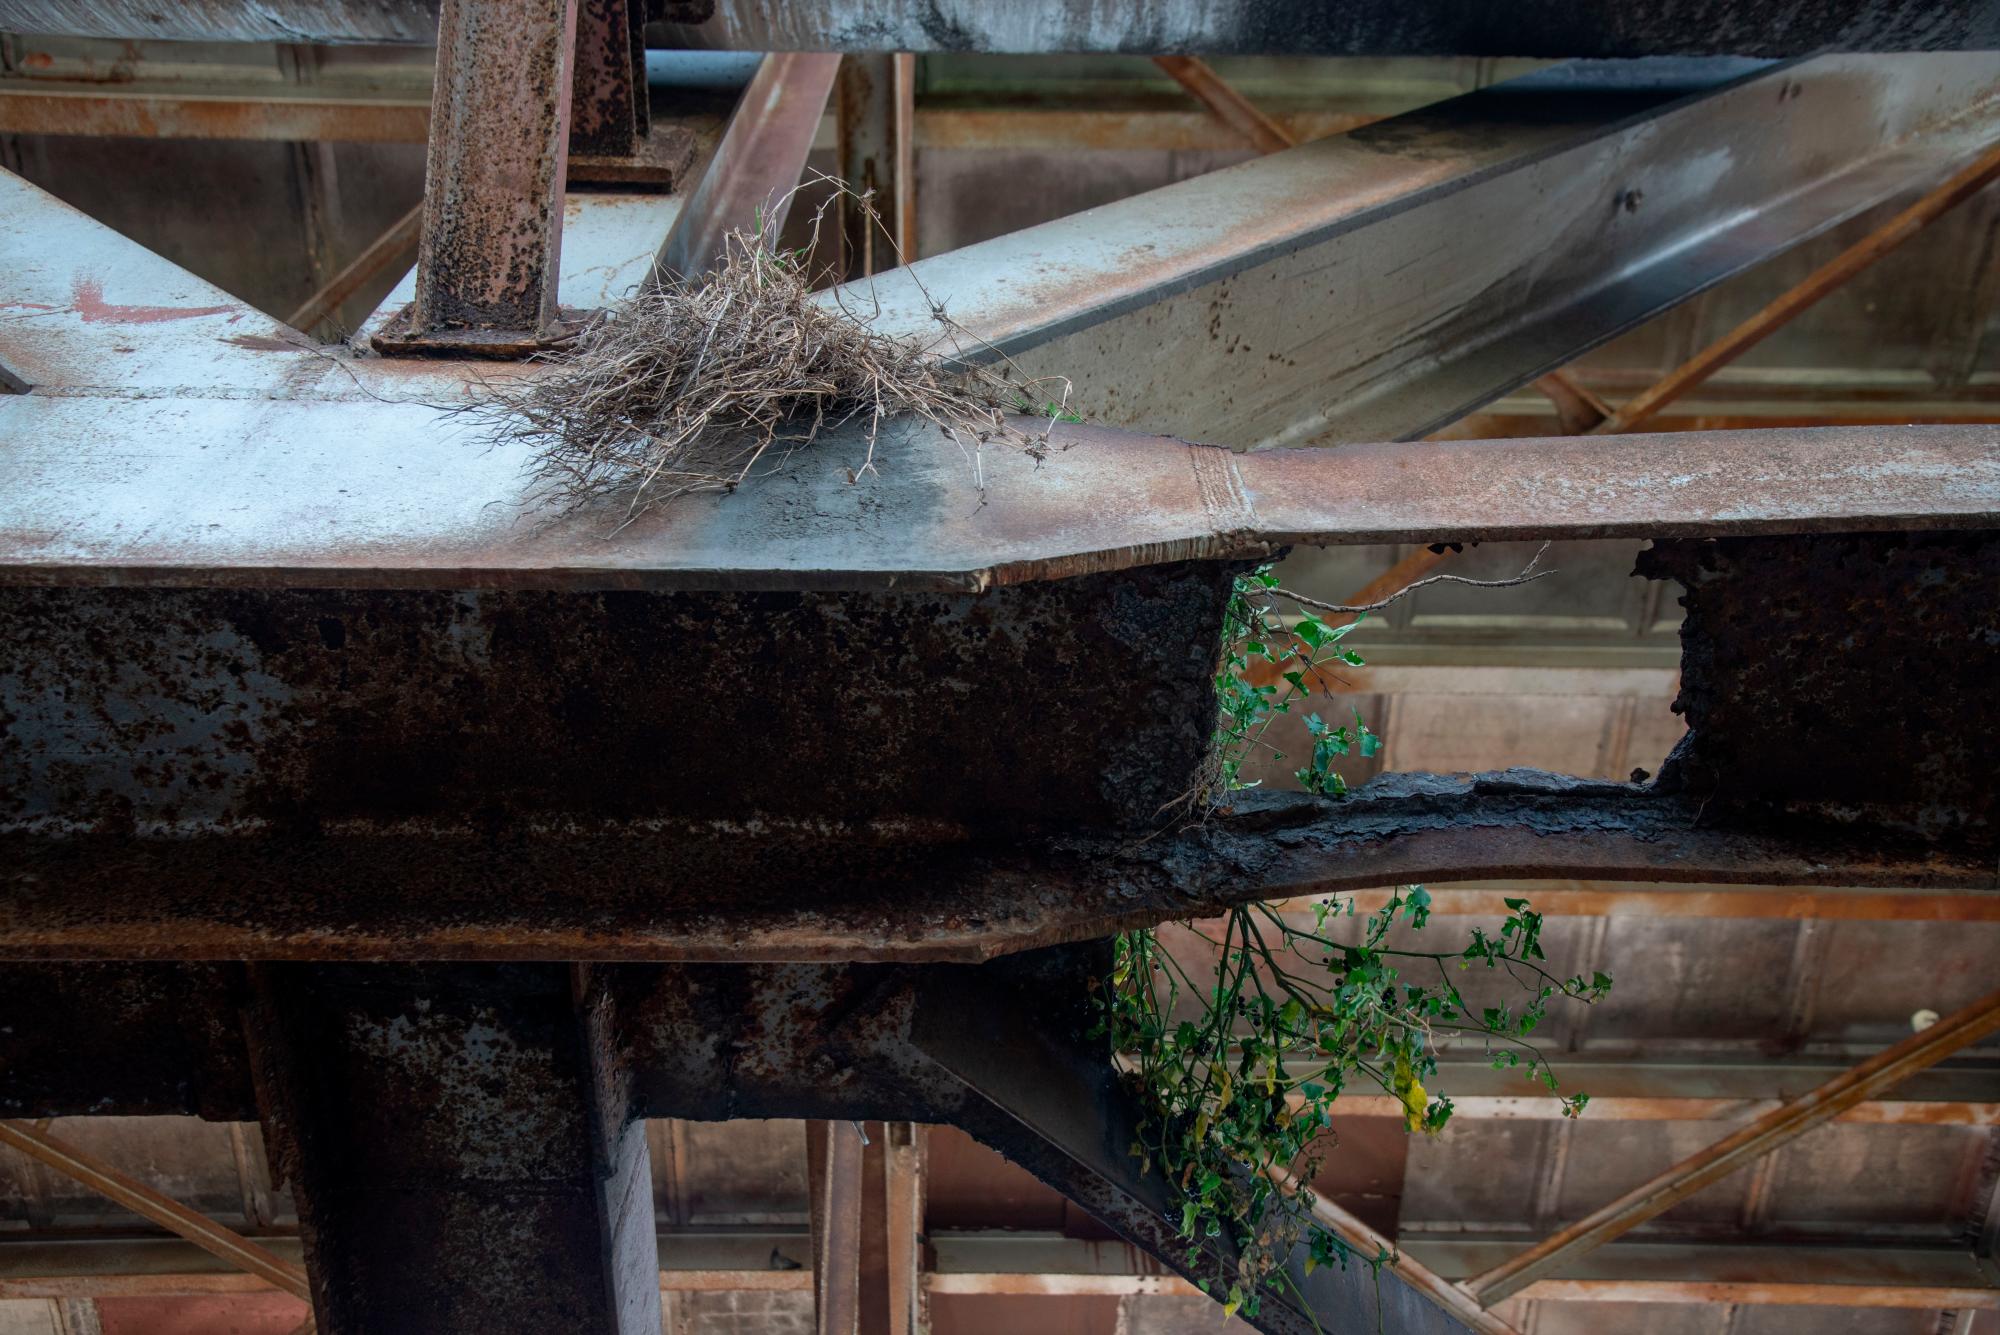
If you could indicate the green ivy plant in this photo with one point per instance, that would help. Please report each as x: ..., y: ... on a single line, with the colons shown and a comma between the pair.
x: 1238, y: 1070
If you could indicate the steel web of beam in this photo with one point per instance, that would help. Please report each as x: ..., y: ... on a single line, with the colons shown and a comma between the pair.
x: 297, y: 674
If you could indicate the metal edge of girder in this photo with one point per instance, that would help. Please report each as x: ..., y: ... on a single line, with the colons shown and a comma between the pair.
x: 358, y: 493
x: 1278, y: 27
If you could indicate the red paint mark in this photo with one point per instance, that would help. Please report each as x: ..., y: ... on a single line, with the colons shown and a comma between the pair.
x: 27, y: 306
x: 258, y: 343
x: 87, y: 300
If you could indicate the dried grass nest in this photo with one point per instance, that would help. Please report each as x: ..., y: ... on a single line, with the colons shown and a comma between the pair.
x: 697, y: 385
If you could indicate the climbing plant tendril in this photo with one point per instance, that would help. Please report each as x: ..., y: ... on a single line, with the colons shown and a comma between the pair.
x: 1238, y: 1069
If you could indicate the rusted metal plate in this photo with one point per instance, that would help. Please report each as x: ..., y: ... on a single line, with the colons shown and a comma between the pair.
x: 1846, y: 679
x: 349, y: 490
x: 217, y: 711
x: 1326, y: 294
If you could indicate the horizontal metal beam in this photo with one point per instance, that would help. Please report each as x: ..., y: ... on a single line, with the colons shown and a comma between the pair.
x: 1380, y: 27
x: 674, y: 892
x: 377, y: 22
x: 1712, y: 1163
x: 1325, y: 294
x: 173, y: 110
x: 1009, y: 1263
x: 1659, y: 899
x: 1241, y: 27
x: 343, y: 489
x: 1703, y: 1087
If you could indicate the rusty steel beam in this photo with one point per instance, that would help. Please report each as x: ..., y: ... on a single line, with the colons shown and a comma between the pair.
x: 489, y: 255
x: 394, y: 245
x: 1288, y: 277
x: 1797, y: 1116
x: 638, y: 895
x: 463, y: 768
x: 443, y: 1101
x: 346, y: 490
x: 747, y: 186
x: 223, y: 1243
x: 1225, y: 103
x: 1006, y: 1263
x: 1641, y: 899
x: 904, y: 1172
x: 834, y: 1186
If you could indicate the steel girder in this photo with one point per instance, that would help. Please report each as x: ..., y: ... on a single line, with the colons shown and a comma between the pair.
x: 1379, y: 284
x: 297, y: 672
x: 1444, y: 27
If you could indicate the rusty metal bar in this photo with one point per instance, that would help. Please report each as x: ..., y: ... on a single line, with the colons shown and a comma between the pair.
x: 1225, y: 103
x: 996, y: 1263
x: 608, y: 111
x: 1879, y: 1073
x: 489, y: 256
x: 147, y: 1203
x: 833, y: 1177
x: 393, y: 245
x: 748, y: 184
x: 904, y: 1174
x: 1974, y: 177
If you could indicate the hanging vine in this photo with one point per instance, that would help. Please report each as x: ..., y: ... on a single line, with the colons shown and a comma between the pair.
x: 1238, y: 1069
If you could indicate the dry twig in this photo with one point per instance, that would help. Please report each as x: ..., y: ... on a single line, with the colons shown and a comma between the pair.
x: 1528, y: 575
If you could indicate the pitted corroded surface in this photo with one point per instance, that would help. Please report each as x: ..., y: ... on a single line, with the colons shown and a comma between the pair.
x: 1847, y: 679
x: 1077, y: 702
x: 460, y: 1148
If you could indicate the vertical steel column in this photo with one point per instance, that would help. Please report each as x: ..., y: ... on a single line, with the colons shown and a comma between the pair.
x: 612, y: 139
x: 488, y: 260
x: 459, y: 1144
x: 834, y: 1178
x: 875, y: 126
x: 608, y: 112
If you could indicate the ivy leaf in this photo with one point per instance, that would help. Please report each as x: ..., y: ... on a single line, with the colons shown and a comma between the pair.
x: 1314, y: 632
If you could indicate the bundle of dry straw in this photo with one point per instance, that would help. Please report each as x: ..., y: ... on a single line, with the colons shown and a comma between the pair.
x: 696, y: 385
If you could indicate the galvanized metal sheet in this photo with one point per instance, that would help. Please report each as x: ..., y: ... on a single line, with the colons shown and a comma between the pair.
x: 1378, y: 284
